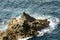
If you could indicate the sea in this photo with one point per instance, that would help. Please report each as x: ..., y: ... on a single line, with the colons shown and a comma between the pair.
x: 39, y: 9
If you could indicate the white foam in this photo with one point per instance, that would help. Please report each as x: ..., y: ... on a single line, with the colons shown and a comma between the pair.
x: 53, y: 25
x: 3, y: 26
x: 25, y: 38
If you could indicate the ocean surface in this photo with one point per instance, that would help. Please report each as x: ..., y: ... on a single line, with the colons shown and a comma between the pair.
x: 40, y: 9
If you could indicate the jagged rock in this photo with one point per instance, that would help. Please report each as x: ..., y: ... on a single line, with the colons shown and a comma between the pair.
x: 23, y: 27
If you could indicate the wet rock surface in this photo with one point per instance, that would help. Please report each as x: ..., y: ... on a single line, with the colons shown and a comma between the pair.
x: 23, y: 27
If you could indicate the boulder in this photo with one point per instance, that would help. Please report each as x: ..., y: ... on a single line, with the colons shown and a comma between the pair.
x: 23, y: 27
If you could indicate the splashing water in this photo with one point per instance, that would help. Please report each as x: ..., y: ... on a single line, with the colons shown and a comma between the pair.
x: 53, y: 25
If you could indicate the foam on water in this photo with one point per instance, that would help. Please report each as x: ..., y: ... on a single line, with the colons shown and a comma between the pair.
x: 53, y: 25
x: 24, y: 38
x: 3, y: 26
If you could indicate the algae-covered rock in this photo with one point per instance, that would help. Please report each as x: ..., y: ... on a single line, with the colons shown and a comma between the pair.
x: 23, y: 27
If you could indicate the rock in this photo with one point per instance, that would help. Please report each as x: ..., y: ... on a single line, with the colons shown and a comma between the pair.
x: 3, y: 35
x: 27, y: 17
x: 23, y: 27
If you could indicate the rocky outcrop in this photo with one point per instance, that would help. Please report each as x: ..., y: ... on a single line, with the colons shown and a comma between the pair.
x: 23, y: 27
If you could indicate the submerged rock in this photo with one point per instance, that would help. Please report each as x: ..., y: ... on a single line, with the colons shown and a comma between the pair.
x: 23, y: 27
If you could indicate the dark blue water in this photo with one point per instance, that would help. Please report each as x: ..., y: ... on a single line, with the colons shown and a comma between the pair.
x: 14, y: 8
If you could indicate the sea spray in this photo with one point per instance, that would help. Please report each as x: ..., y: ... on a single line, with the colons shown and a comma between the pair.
x: 53, y: 25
